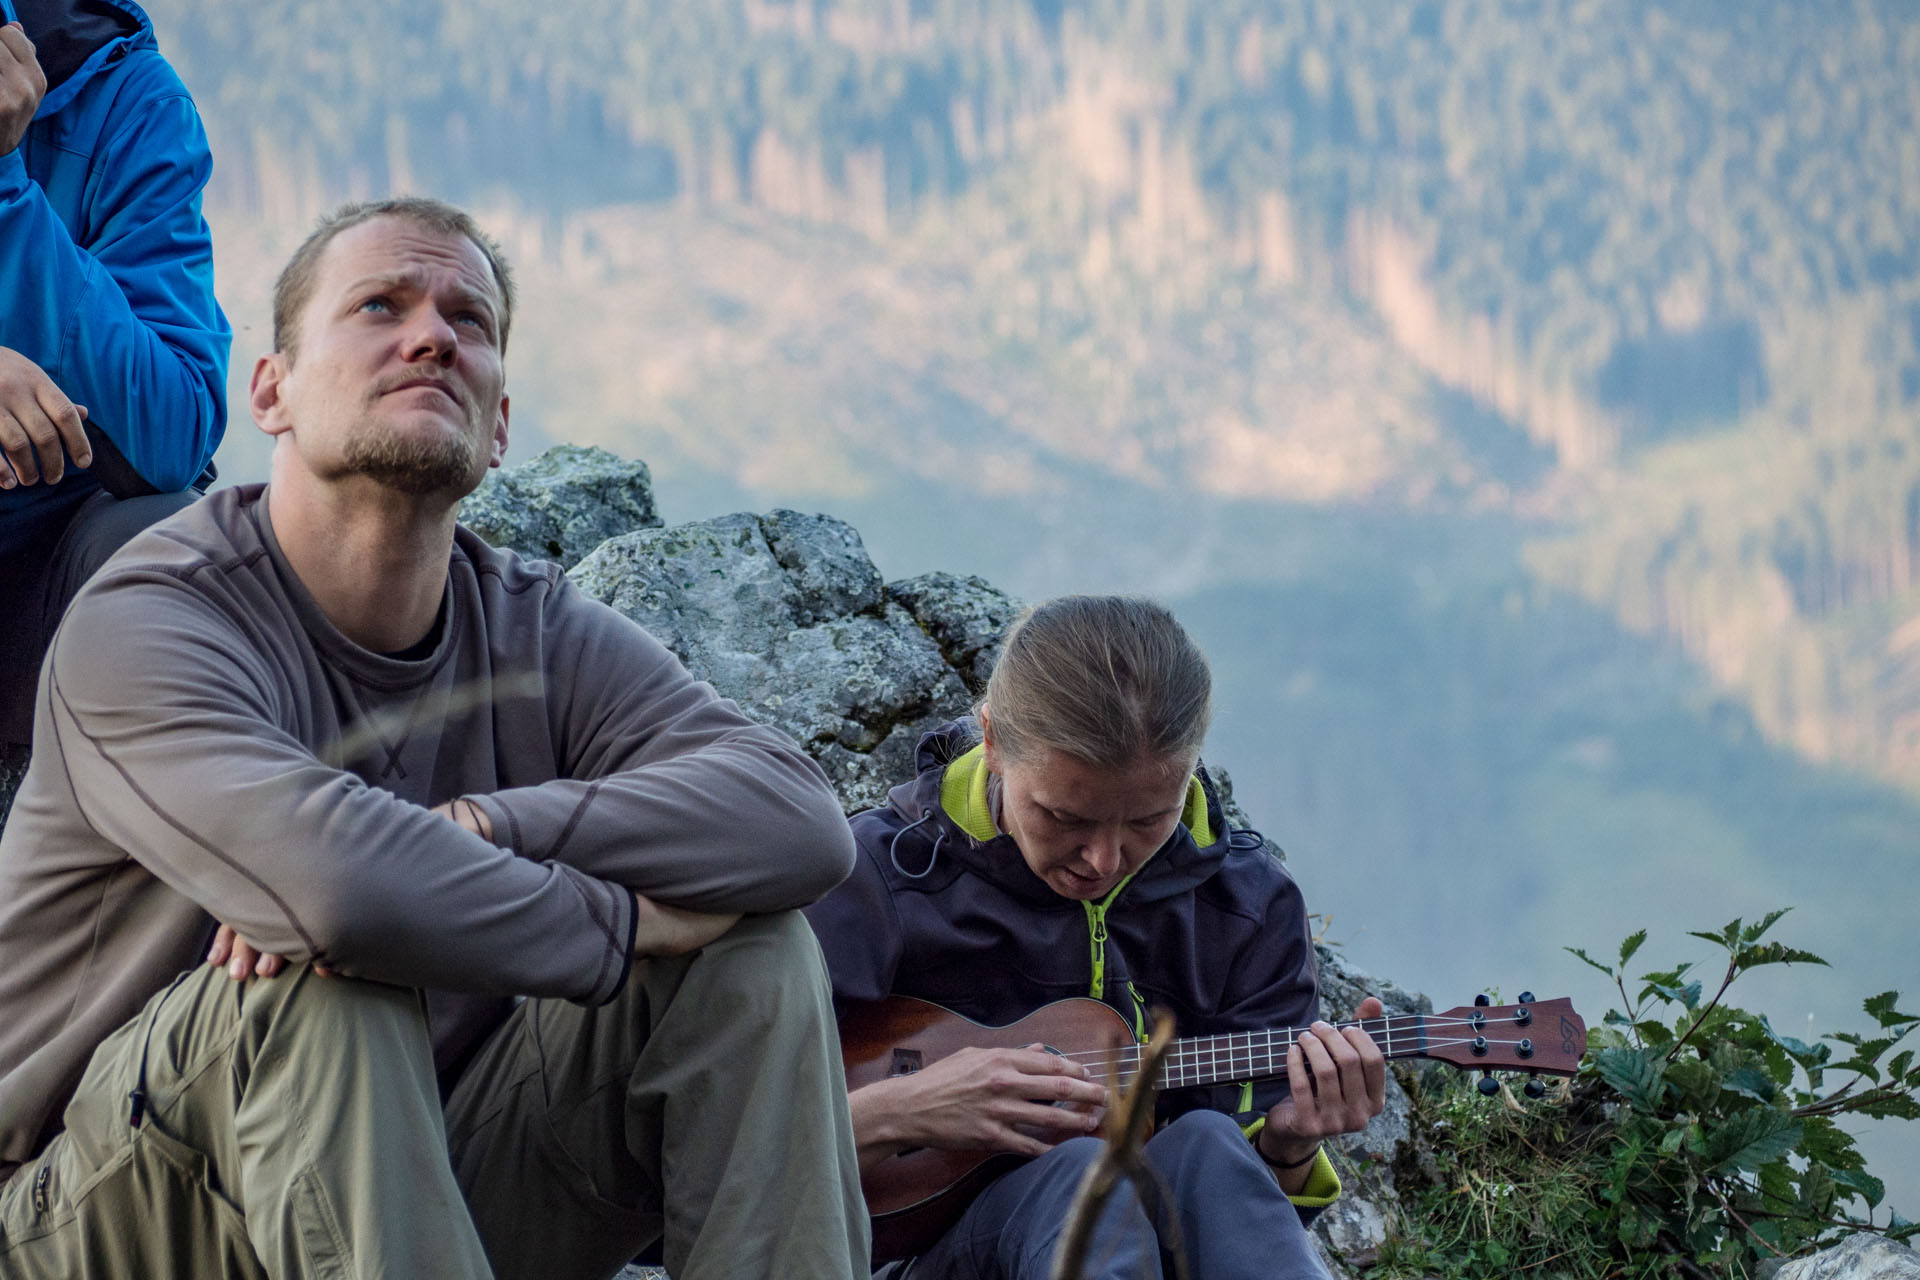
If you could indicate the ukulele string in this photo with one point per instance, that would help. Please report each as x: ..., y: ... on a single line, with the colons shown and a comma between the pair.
x: 1206, y: 1060
x: 1378, y: 1028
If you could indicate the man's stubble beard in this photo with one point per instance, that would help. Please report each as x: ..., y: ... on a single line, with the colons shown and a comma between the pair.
x: 413, y: 467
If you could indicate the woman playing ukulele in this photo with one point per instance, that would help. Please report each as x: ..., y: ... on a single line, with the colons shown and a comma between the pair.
x: 1063, y: 844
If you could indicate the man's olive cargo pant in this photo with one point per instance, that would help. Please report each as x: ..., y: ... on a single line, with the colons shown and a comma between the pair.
x: 292, y: 1128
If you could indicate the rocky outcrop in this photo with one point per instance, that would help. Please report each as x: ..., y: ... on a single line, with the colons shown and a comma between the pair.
x: 786, y: 614
x: 1859, y: 1257
x: 562, y: 504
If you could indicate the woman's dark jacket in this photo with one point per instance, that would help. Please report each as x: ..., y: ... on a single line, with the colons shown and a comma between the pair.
x: 1211, y: 927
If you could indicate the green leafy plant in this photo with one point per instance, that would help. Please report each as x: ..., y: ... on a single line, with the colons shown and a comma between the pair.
x: 1696, y: 1141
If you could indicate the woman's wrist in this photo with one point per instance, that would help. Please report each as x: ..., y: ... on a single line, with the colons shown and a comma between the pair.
x: 1283, y: 1163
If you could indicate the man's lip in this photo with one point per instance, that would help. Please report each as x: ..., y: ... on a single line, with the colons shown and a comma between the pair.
x: 441, y: 387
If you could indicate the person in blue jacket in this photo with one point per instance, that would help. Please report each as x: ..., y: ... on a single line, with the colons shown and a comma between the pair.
x: 1063, y: 844
x: 113, y: 351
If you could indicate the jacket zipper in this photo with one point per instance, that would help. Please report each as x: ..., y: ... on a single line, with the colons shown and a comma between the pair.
x: 1097, y: 932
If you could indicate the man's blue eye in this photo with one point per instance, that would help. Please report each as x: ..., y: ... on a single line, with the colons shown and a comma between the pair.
x: 372, y: 303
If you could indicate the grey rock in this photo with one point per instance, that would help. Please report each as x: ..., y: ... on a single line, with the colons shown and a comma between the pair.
x: 965, y: 616
x: 562, y: 504
x: 1862, y: 1256
x: 1343, y: 985
x: 827, y: 561
x: 786, y: 615
x: 1351, y: 1230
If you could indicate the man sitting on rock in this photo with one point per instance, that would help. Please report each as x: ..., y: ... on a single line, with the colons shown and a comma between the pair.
x: 324, y: 782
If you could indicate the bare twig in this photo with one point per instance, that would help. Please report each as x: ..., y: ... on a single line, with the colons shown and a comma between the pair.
x: 1129, y: 1117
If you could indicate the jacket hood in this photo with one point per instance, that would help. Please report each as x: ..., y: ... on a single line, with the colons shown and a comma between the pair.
x: 1177, y: 866
x: 74, y: 39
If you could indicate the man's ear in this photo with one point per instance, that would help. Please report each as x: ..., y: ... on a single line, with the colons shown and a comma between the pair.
x: 269, y: 407
x: 499, y: 435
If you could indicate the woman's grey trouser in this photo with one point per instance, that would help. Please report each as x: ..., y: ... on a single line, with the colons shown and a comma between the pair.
x: 293, y: 1128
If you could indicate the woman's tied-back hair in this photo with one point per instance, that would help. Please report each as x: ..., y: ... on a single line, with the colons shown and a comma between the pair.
x: 1109, y: 680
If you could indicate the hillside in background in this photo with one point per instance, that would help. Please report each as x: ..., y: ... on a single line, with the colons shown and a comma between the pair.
x: 1521, y: 399
x: 1645, y: 276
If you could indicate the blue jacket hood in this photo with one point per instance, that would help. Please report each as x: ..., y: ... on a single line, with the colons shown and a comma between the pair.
x: 75, y: 39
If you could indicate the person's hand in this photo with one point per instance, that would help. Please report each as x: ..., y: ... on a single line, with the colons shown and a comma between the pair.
x: 979, y: 1100
x: 1339, y: 1080
x: 674, y: 931
x: 36, y: 418
x: 22, y: 85
x: 466, y: 813
x: 242, y: 958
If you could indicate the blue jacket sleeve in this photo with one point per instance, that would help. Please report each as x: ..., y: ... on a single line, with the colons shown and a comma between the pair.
x: 126, y: 324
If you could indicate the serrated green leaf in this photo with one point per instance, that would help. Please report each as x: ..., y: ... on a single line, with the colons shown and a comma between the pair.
x: 1696, y: 1080
x: 1630, y: 944
x: 1773, y: 953
x: 1826, y: 1143
x: 1870, y: 1188
x: 1634, y: 1074
x: 1751, y: 1138
x: 1799, y: 1050
x: 1579, y: 954
x: 1753, y: 932
x: 1688, y: 995
x: 1901, y: 1106
x: 1901, y: 1061
x: 1898, y: 1228
x: 1750, y: 1082
x: 1655, y: 1034
x: 1880, y: 1009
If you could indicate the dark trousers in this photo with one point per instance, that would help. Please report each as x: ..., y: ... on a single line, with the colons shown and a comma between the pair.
x: 38, y: 580
x: 1234, y: 1221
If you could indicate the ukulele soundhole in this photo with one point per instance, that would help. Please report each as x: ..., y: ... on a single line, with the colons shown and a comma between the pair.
x: 905, y: 1062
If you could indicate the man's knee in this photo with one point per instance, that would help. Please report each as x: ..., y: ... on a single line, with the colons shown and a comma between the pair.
x: 766, y: 967
x: 292, y: 1015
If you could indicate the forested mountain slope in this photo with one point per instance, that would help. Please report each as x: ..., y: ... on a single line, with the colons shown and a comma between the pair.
x: 1643, y: 277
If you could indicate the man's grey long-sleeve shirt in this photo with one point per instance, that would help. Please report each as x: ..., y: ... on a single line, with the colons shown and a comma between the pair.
x: 208, y: 747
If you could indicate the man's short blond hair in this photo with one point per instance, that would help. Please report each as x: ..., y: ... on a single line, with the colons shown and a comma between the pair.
x: 294, y: 289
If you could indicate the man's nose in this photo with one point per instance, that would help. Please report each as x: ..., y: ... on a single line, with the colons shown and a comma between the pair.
x: 430, y: 337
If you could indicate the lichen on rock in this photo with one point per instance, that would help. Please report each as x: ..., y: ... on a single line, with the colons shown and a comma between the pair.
x: 562, y: 504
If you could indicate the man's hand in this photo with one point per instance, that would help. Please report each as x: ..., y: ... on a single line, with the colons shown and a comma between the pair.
x: 36, y: 418
x: 978, y: 1100
x: 22, y: 85
x: 673, y: 931
x: 243, y: 958
x: 1339, y: 1080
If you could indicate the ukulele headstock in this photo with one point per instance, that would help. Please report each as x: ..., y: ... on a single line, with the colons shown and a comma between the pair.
x: 1544, y: 1037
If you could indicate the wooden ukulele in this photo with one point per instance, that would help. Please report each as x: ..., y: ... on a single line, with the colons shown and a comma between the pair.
x: 916, y: 1195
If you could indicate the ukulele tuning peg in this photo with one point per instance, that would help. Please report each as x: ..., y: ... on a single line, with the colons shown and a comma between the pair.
x: 1526, y: 997
x: 1488, y: 1085
x: 1535, y: 1089
x: 1482, y: 1000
